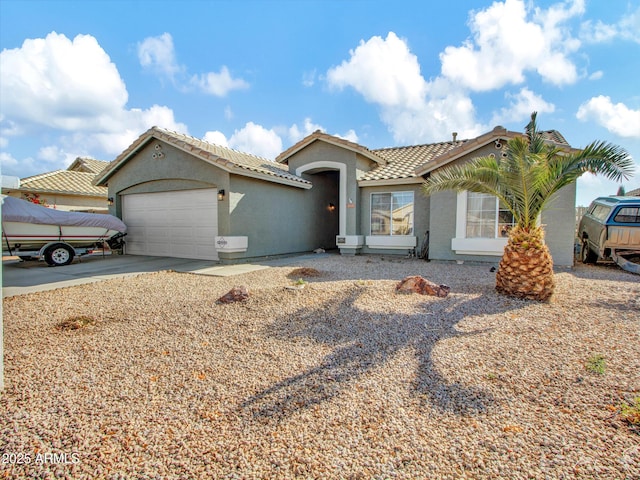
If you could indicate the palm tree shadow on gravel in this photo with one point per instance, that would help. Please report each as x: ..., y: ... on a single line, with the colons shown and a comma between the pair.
x: 366, y: 340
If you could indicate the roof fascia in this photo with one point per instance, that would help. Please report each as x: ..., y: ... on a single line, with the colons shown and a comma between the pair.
x: 74, y: 193
x: 392, y: 181
x: 270, y: 178
x: 337, y: 142
x: 123, y: 158
x: 465, y: 149
x: 210, y: 158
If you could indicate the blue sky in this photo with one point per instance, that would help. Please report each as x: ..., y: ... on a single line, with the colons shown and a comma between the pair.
x: 85, y: 78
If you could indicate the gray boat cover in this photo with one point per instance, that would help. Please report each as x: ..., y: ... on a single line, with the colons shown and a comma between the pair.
x: 17, y: 210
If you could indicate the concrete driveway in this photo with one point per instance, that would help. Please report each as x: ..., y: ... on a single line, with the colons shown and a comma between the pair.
x: 20, y: 277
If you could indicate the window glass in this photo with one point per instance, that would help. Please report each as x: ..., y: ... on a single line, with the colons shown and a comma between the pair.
x: 392, y: 213
x: 505, y: 221
x: 486, y: 217
x: 481, y: 215
x: 601, y: 212
x: 628, y: 215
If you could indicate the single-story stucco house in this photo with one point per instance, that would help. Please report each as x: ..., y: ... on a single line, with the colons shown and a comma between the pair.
x: 72, y: 189
x: 184, y: 197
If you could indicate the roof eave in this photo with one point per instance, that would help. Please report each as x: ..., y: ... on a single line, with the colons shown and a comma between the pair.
x: 390, y: 181
x: 271, y: 178
x: 59, y: 192
x: 464, y: 149
x: 123, y: 158
x: 331, y: 140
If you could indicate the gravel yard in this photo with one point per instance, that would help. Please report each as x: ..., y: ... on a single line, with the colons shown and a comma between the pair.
x: 341, y: 379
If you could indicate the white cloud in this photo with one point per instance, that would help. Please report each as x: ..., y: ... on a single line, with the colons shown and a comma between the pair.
x: 386, y: 73
x: 257, y: 140
x: 296, y: 133
x: 507, y: 43
x: 597, y: 75
x: 71, y: 90
x: 309, y: 78
x: 627, y: 28
x: 216, y: 137
x: 349, y: 135
x: 520, y: 107
x: 510, y: 40
x: 48, y: 159
x: 218, y: 84
x: 60, y: 83
x: 158, y: 54
x: 7, y: 162
x: 308, y: 127
x: 617, y: 118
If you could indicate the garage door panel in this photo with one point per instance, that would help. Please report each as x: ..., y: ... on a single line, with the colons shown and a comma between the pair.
x: 180, y: 224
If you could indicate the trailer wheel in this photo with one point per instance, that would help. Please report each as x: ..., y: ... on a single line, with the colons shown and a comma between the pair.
x: 58, y: 255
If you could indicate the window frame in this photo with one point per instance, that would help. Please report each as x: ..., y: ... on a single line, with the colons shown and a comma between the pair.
x: 464, y: 245
x: 391, y: 233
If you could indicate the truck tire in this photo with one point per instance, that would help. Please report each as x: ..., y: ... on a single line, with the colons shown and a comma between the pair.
x: 58, y: 255
x: 586, y: 254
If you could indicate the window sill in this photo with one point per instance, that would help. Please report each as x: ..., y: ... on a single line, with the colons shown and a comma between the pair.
x: 391, y: 241
x: 479, y: 246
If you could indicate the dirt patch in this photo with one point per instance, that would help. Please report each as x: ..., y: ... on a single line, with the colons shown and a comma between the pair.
x: 75, y: 323
x: 303, y: 272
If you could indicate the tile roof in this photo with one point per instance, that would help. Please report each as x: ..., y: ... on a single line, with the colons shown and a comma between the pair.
x: 63, y: 181
x: 555, y: 136
x: 230, y: 160
x: 402, y: 162
x: 325, y: 137
x: 633, y: 193
x: 88, y: 164
x: 497, y: 134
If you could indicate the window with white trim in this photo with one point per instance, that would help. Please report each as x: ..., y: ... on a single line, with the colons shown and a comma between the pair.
x: 392, y: 213
x: 486, y: 217
x: 482, y: 225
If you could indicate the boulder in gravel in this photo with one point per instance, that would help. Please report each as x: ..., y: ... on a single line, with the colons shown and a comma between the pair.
x: 422, y: 286
x: 236, y: 294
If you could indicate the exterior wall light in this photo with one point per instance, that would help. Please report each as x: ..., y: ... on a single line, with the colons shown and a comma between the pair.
x: 110, y: 201
x: 332, y: 207
x: 221, y: 195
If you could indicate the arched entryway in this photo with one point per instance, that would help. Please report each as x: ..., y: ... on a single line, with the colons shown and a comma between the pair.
x: 329, y: 198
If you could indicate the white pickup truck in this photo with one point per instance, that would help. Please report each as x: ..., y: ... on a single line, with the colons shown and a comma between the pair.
x: 611, y: 230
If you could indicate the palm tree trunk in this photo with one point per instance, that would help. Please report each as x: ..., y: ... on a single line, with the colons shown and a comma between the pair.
x: 526, y: 267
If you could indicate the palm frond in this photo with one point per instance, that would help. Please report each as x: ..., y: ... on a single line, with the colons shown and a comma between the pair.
x: 532, y: 172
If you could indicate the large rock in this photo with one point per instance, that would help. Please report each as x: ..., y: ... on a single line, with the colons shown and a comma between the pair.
x: 236, y: 294
x: 422, y: 286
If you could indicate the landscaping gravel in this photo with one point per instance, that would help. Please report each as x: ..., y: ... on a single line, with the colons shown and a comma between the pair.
x: 338, y: 377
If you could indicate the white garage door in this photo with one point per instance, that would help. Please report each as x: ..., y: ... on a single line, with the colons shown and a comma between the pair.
x: 180, y: 224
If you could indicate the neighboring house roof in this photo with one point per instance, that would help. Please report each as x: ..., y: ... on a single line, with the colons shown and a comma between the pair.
x: 228, y: 159
x: 633, y: 193
x: 66, y: 182
x: 324, y: 137
x: 402, y: 162
x: 87, y: 164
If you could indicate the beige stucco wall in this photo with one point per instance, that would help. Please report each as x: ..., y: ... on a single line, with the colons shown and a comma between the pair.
x: 76, y: 203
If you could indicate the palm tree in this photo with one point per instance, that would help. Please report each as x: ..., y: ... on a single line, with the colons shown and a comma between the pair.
x: 525, y: 181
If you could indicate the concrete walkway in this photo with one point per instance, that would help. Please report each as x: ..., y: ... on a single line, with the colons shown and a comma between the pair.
x: 20, y: 277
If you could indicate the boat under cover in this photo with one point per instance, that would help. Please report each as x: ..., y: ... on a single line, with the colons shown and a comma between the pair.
x: 27, y: 225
